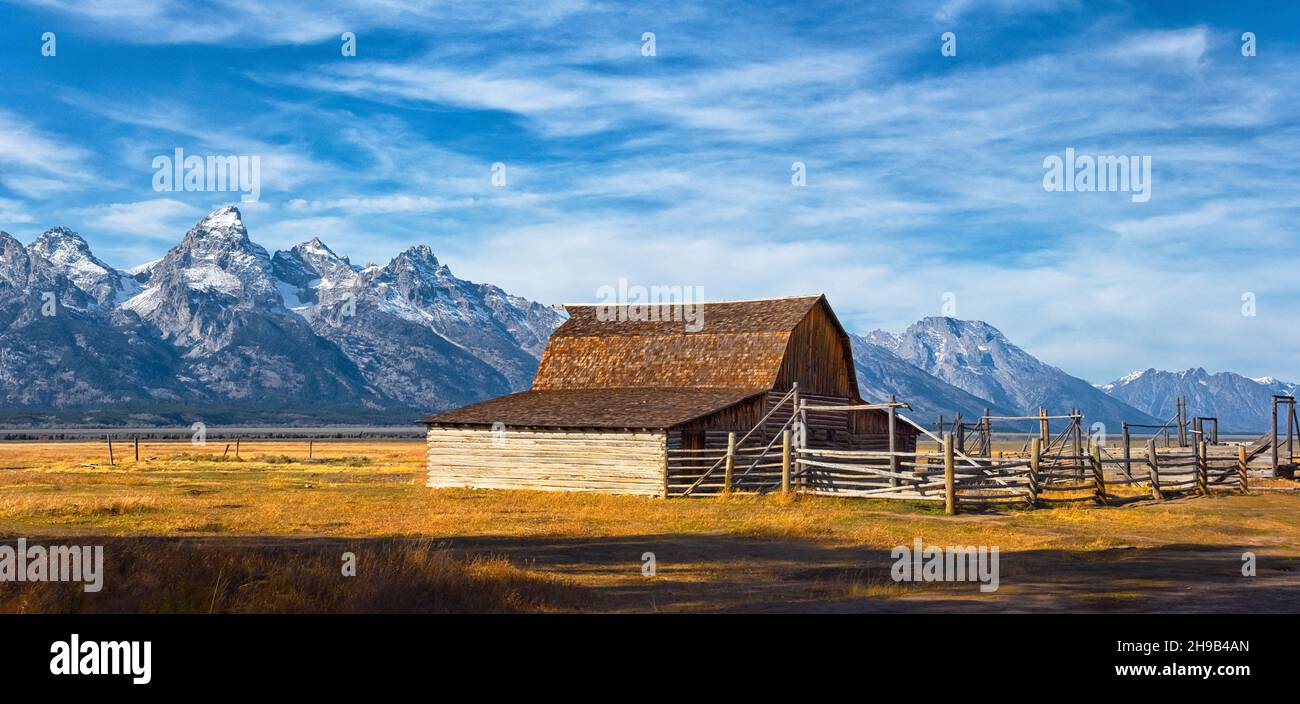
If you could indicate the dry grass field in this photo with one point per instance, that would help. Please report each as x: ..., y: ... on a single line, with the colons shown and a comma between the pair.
x: 188, y: 529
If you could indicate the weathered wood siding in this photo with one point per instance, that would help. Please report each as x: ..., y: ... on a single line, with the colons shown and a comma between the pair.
x: 616, y: 462
x: 818, y: 357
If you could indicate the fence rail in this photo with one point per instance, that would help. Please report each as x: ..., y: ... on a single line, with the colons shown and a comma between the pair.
x: 1033, y: 478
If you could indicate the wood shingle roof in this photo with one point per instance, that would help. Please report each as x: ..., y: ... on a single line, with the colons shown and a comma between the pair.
x: 620, y: 366
x: 739, y: 344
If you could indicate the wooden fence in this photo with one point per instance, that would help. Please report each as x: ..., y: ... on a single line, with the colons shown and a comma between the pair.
x: 1033, y: 478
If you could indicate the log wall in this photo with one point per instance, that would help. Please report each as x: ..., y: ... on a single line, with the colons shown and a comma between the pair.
x: 610, y: 461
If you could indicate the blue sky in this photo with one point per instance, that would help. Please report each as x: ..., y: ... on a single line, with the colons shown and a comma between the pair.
x: 924, y: 172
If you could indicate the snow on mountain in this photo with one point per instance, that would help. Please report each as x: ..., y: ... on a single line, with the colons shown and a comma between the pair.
x: 219, y: 320
x: 881, y: 373
x: 66, y: 253
x: 977, y: 358
x: 1241, y: 404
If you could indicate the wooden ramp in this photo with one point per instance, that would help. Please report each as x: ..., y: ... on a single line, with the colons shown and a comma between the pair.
x: 1260, y: 446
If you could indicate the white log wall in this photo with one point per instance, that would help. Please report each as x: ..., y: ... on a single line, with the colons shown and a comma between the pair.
x: 610, y: 461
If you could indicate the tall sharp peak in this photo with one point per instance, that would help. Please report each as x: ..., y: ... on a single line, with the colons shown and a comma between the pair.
x: 223, y: 223
x: 227, y: 216
x: 221, y: 231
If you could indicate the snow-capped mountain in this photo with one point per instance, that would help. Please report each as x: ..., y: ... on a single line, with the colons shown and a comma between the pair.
x: 1241, y: 404
x: 977, y: 358
x: 882, y: 373
x: 219, y: 322
x: 65, y: 252
x: 221, y: 328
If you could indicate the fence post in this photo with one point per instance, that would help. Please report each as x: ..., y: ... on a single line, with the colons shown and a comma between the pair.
x: 731, y: 462
x: 1098, y: 475
x: 1044, y: 430
x: 949, y: 483
x: 1153, y: 463
x: 137, y: 448
x: 1241, y: 468
x: 987, y: 432
x: 1128, y: 452
x: 1076, y: 443
x: 1273, y: 443
x: 893, y: 432
x: 1035, y: 457
x: 1202, y: 468
x: 1182, y: 422
x: 110, y: 449
x: 785, y: 461
x: 802, y: 438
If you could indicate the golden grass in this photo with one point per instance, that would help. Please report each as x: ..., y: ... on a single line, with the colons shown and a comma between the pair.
x: 391, y: 577
x: 263, y: 532
x: 376, y: 489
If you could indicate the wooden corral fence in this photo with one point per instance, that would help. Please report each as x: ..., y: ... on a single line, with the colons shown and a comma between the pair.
x: 1052, y: 468
x: 1031, y: 479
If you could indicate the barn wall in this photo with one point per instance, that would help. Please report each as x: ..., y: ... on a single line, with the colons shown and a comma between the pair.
x: 818, y: 358
x: 839, y: 430
x: 616, y: 462
x: 739, y: 417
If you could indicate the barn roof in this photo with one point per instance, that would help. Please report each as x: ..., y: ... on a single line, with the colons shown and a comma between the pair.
x: 619, y: 366
x: 738, y: 344
x: 591, y: 408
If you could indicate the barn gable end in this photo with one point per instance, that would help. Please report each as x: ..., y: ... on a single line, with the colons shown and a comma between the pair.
x: 818, y: 356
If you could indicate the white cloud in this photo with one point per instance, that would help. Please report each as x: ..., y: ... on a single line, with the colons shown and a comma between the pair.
x: 161, y: 219
x: 287, y: 21
x: 12, y: 211
x: 36, y: 164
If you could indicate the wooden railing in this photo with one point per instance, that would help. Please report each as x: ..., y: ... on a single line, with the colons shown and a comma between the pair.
x: 735, y: 450
x: 1032, y: 478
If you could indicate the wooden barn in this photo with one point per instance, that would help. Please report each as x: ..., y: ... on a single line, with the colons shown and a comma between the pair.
x: 639, y: 404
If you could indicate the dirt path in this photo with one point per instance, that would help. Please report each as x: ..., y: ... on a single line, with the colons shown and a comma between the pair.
x: 721, y: 573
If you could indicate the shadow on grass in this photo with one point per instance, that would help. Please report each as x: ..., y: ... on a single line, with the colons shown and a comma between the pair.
x: 691, y: 573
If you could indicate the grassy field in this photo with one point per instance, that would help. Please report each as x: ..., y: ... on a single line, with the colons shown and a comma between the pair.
x: 195, y: 529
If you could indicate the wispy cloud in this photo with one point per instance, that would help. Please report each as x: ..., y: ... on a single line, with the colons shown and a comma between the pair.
x: 159, y: 219
x: 924, y: 174
x: 36, y: 164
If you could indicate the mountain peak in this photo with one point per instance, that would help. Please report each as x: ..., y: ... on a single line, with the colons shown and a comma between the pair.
x: 317, y: 244
x: 1241, y: 404
x: 223, y: 218
x: 61, y: 245
x: 957, y: 326
x: 318, y: 253
x: 422, y: 253
x: 221, y: 234
x: 62, y: 234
